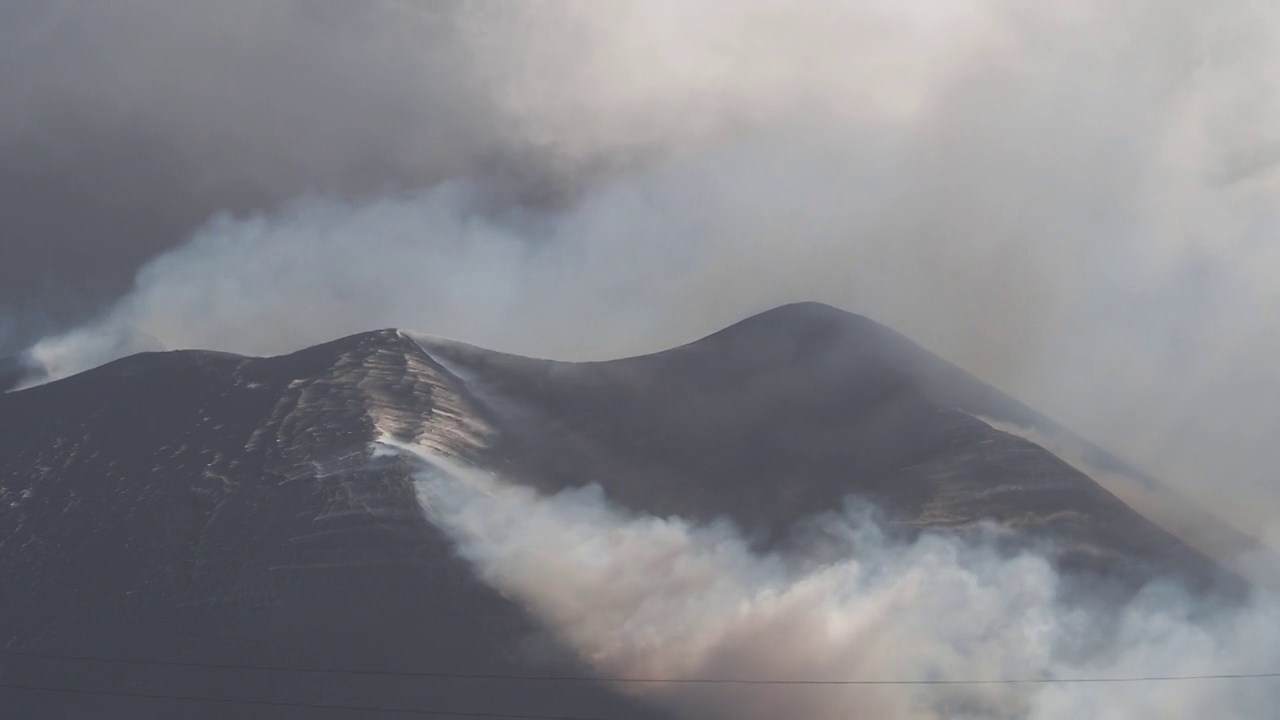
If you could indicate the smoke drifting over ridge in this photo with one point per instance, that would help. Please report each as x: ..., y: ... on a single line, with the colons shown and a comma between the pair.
x: 648, y: 597
x: 1075, y: 203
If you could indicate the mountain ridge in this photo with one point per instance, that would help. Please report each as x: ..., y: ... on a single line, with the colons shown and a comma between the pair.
x: 211, y: 506
x: 790, y: 355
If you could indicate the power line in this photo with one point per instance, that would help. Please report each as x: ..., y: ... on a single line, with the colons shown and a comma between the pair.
x: 627, y: 680
x: 299, y: 705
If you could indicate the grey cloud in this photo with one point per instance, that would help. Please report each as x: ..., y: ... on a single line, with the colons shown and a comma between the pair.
x: 125, y: 125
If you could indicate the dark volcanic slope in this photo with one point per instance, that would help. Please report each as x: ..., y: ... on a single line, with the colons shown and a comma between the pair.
x: 202, y: 506
x: 781, y: 416
x: 208, y: 507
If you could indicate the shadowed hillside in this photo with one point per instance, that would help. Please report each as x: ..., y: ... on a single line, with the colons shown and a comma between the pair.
x: 200, y: 506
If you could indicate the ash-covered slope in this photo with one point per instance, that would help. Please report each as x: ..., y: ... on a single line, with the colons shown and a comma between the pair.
x: 197, y: 506
x: 784, y: 415
x: 207, y: 507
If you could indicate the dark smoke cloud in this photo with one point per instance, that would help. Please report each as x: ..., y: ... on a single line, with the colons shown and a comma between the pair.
x: 125, y: 125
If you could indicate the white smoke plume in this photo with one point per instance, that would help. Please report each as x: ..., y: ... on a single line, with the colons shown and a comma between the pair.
x: 661, y: 598
x: 1076, y: 202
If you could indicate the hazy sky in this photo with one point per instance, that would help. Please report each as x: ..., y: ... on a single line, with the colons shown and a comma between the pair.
x: 1076, y: 201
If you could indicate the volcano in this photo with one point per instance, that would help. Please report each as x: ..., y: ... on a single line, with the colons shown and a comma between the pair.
x: 173, y: 523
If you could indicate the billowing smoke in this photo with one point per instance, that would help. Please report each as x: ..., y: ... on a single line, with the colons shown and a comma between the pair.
x: 644, y: 597
x: 1077, y: 202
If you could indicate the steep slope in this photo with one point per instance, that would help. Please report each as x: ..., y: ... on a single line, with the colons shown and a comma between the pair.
x: 786, y: 414
x: 209, y: 507
x: 201, y: 506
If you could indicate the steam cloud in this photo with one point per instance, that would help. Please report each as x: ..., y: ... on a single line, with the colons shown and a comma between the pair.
x: 642, y: 596
x: 1075, y: 202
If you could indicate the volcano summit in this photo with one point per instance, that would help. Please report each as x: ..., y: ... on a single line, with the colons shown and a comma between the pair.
x: 201, y: 508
